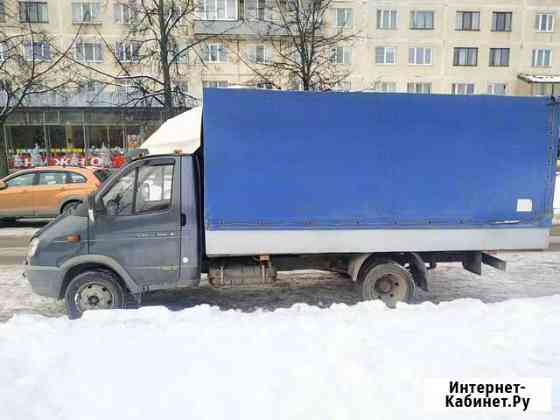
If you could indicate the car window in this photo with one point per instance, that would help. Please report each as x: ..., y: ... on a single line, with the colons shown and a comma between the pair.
x: 24, y: 180
x: 102, y: 174
x: 118, y: 200
x: 52, y: 178
x: 74, y: 178
x: 154, y: 188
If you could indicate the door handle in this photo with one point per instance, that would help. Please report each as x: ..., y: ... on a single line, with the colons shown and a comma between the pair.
x: 183, y: 219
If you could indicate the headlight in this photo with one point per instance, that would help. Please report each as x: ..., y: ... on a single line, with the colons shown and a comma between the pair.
x: 32, y: 247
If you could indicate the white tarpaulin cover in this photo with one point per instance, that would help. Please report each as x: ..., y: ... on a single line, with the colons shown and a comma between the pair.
x: 178, y: 133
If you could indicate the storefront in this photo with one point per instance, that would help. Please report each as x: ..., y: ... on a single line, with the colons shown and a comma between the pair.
x: 66, y: 134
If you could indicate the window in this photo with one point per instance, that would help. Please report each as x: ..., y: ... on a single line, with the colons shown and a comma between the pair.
x: 462, y: 89
x: 418, y: 87
x: 260, y: 54
x: 102, y: 174
x: 178, y: 55
x: 24, y: 180
x: 33, y: 12
x: 257, y: 10
x: 542, y: 57
x: 52, y: 178
x: 218, y: 10
x: 468, y: 21
x: 465, y: 56
x: 499, y: 57
x: 343, y: 18
x: 118, y: 200
x: 421, y: 19
x: 385, y: 55
x: 38, y: 51
x: 542, y: 89
x: 386, y: 19
x: 215, y: 84
x: 128, y: 51
x: 340, y: 55
x: 264, y: 85
x: 497, y: 89
x: 214, y: 53
x: 501, y: 21
x: 544, y: 22
x: 74, y: 178
x: 420, y: 56
x: 86, y: 12
x: 89, y: 52
x: 124, y: 13
x: 154, y: 188
x: 386, y: 87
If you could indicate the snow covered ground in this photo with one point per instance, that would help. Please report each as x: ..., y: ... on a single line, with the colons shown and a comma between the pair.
x: 345, y: 362
x: 302, y: 349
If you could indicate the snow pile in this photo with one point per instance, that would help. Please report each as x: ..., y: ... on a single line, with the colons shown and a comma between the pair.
x: 345, y: 362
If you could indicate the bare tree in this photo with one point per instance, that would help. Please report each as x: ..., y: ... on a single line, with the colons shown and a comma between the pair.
x: 305, y: 44
x: 151, y: 60
x: 29, y: 60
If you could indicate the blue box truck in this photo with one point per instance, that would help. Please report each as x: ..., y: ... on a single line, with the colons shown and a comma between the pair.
x: 381, y: 187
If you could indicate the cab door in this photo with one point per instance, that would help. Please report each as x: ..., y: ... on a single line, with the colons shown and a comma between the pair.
x: 16, y: 200
x: 137, y: 221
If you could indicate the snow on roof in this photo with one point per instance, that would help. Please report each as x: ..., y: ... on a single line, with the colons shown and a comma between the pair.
x: 178, y: 133
x: 540, y: 78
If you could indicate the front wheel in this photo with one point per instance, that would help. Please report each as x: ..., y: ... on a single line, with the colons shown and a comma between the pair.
x: 93, y: 290
x: 387, y: 281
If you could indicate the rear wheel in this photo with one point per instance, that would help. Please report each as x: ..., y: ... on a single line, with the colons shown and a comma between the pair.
x: 387, y: 281
x: 68, y: 207
x: 93, y: 290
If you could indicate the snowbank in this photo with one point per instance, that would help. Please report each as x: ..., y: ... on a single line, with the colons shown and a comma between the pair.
x: 345, y: 362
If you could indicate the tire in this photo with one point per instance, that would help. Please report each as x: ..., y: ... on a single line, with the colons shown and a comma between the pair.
x: 8, y: 221
x: 387, y: 281
x: 93, y: 290
x: 68, y: 207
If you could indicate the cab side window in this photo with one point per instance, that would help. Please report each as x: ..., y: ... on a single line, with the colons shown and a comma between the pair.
x: 51, y: 178
x: 25, y: 180
x: 74, y: 178
x: 118, y: 200
x: 154, y: 188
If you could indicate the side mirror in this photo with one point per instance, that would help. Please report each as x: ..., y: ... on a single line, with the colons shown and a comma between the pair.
x: 112, y: 207
x: 3, y: 185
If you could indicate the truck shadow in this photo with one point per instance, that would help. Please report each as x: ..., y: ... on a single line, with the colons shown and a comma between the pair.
x: 313, y: 288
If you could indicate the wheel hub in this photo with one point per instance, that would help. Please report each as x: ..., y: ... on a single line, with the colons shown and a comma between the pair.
x: 93, y: 296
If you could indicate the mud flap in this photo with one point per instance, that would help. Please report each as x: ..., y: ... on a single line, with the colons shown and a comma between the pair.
x: 472, y: 261
x: 493, y: 261
x: 419, y: 271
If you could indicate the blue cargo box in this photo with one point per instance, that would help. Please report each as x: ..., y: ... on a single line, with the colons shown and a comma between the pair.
x: 300, y: 172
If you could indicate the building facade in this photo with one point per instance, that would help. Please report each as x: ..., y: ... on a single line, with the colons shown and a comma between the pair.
x: 503, y: 47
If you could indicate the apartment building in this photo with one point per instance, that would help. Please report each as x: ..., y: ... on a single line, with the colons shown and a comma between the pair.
x: 463, y: 47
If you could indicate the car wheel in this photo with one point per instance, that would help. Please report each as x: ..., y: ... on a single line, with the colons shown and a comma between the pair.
x: 93, y: 290
x: 69, y: 207
x: 387, y: 281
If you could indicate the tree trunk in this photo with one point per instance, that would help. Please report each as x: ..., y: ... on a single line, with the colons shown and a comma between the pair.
x: 168, y: 110
x: 3, y: 155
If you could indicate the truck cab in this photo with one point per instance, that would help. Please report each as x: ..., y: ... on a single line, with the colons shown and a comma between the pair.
x: 141, y: 229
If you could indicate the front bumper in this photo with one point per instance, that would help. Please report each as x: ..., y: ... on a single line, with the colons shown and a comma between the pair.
x: 45, y: 280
